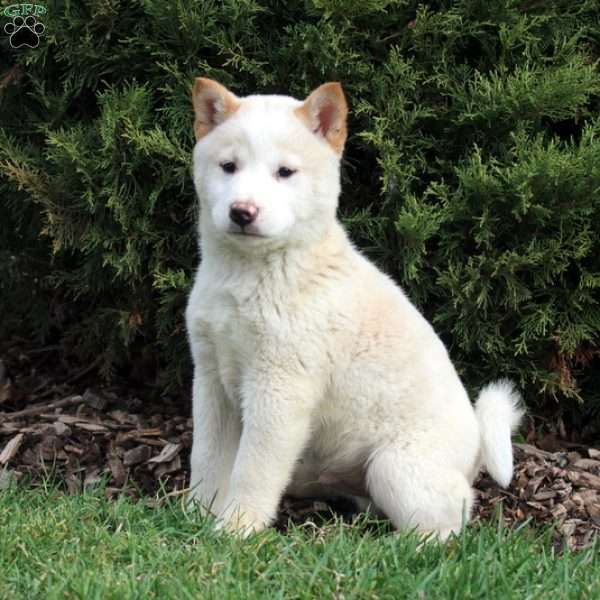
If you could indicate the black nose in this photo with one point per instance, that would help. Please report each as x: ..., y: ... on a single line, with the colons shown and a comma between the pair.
x: 243, y: 213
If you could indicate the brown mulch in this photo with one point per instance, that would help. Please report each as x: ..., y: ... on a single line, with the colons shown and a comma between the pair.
x: 83, y: 435
x: 560, y: 488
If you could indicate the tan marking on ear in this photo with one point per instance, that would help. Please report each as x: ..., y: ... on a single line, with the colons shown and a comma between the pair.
x: 213, y: 104
x: 324, y: 112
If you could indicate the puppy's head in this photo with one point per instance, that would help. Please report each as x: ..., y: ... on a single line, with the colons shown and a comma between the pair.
x: 266, y: 168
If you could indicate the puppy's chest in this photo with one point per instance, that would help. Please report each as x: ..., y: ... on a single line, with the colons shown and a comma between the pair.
x: 233, y: 340
x: 239, y: 332
x: 259, y: 327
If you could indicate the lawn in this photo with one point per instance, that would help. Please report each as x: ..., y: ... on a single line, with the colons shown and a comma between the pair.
x: 54, y: 545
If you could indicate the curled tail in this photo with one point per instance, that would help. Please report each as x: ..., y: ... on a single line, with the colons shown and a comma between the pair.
x: 499, y: 412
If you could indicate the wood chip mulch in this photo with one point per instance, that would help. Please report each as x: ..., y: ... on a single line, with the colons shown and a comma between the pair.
x: 139, y: 447
x: 560, y: 488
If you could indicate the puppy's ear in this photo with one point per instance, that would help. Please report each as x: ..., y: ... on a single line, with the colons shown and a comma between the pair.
x: 213, y: 103
x: 324, y: 112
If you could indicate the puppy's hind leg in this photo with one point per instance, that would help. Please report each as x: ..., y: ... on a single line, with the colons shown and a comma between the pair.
x: 419, y: 492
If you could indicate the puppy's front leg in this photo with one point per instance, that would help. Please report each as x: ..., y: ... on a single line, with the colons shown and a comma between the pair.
x: 217, y: 430
x: 276, y: 425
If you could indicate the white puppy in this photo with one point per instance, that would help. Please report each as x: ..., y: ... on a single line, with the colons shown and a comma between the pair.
x: 313, y: 371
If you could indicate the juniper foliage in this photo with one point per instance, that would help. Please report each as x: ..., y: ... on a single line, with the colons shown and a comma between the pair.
x: 472, y: 172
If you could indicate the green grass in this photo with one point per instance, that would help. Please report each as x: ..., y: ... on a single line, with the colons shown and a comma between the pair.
x: 58, y: 546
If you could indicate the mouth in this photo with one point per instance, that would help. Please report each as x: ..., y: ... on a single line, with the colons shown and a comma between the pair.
x: 246, y: 234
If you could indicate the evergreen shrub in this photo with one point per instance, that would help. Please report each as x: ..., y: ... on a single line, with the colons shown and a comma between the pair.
x: 471, y: 175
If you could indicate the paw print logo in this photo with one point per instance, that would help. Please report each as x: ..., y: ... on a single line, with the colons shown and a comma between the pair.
x: 24, y: 32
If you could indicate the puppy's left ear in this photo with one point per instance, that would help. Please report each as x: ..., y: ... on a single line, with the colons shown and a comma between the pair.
x: 325, y: 112
x: 213, y: 104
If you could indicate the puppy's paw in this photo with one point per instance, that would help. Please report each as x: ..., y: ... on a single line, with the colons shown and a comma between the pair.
x: 204, y: 504
x: 241, y: 521
x: 196, y: 506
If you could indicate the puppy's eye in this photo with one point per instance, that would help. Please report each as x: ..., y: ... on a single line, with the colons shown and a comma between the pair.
x: 229, y: 167
x: 285, y: 172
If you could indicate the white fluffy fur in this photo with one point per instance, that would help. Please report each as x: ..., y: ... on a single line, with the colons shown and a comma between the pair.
x: 314, y: 373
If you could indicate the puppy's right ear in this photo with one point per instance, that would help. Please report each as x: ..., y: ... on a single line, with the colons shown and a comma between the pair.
x: 213, y: 103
